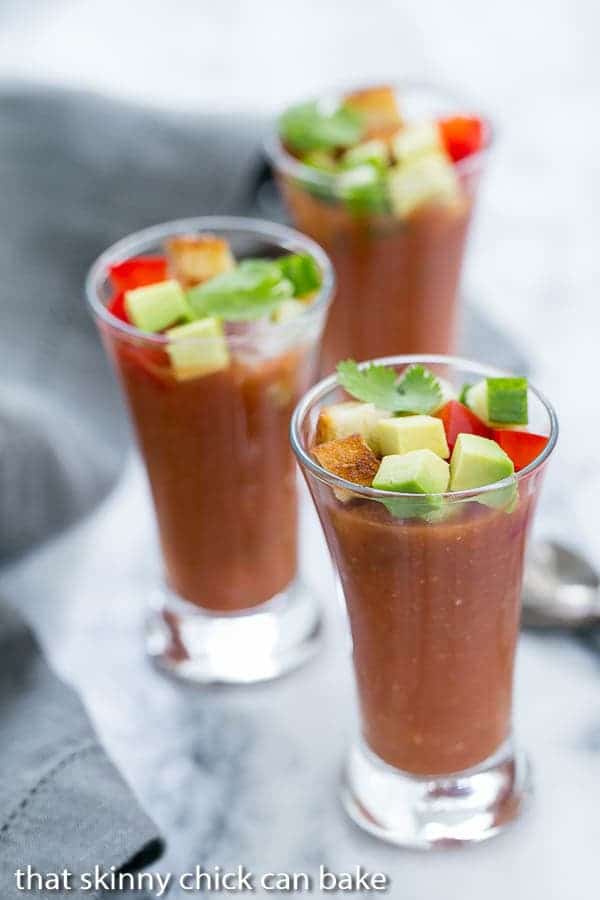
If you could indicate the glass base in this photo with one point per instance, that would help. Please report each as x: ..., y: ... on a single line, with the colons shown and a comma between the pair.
x: 421, y: 812
x: 258, y: 644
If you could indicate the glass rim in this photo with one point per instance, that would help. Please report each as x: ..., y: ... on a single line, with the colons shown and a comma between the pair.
x: 320, y: 390
x: 135, y: 242
x: 290, y: 165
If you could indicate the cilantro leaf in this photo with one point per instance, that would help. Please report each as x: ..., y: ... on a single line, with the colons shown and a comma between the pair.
x: 251, y: 290
x: 417, y: 391
x: 307, y: 127
x: 373, y: 384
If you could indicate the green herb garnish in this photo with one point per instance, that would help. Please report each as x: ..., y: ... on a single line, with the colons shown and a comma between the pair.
x: 307, y: 127
x: 249, y: 291
x: 417, y: 391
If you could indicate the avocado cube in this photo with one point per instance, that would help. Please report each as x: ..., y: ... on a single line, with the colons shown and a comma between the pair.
x: 422, y: 180
x: 501, y: 401
x: 477, y: 461
x: 405, y: 433
x: 156, y: 306
x: 416, y: 140
x: 287, y: 310
x: 374, y: 152
x: 417, y: 472
x: 198, y: 348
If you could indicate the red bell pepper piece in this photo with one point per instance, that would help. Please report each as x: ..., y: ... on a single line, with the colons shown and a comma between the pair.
x: 521, y: 446
x: 117, y: 307
x: 138, y: 272
x: 458, y: 419
x: 462, y: 136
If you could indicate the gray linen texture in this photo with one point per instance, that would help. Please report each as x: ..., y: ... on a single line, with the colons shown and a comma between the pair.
x: 77, y: 172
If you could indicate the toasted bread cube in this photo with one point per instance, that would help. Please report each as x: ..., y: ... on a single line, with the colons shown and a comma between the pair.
x: 405, y: 433
x: 379, y: 106
x: 343, y: 419
x: 350, y: 458
x: 194, y: 259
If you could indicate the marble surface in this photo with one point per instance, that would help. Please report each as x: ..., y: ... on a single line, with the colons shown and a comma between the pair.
x: 249, y: 776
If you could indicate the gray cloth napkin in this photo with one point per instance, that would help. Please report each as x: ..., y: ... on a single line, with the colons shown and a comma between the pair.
x: 62, y: 802
x: 77, y: 172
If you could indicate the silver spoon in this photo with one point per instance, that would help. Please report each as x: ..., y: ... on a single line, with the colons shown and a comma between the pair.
x: 561, y: 589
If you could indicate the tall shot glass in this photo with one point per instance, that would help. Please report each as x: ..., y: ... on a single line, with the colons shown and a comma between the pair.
x: 433, y: 596
x: 221, y: 472
x: 398, y: 279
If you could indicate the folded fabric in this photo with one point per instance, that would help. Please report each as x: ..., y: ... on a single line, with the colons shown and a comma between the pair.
x: 62, y: 802
x: 78, y: 172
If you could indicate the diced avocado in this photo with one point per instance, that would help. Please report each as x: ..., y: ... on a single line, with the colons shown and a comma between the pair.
x: 374, y: 152
x: 499, y: 400
x: 422, y: 180
x: 477, y: 461
x: 363, y: 190
x: 343, y: 419
x: 287, y: 310
x: 320, y: 159
x: 156, y: 306
x: 416, y: 140
x: 405, y: 433
x: 303, y: 272
x: 417, y: 472
x: 198, y: 348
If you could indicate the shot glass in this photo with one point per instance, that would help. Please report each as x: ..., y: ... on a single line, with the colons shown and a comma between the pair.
x: 221, y: 472
x: 398, y: 279
x: 434, y: 605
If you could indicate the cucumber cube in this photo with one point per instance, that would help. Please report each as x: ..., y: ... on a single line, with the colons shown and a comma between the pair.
x: 500, y: 401
x: 422, y: 180
x: 405, y: 433
x: 417, y: 472
x: 156, y: 306
x: 198, y: 348
x: 477, y: 461
x: 507, y: 400
x: 303, y: 272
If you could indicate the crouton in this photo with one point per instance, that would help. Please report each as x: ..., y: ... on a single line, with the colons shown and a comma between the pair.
x: 196, y: 258
x: 343, y: 419
x: 350, y: 458
x: 380, y: 109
